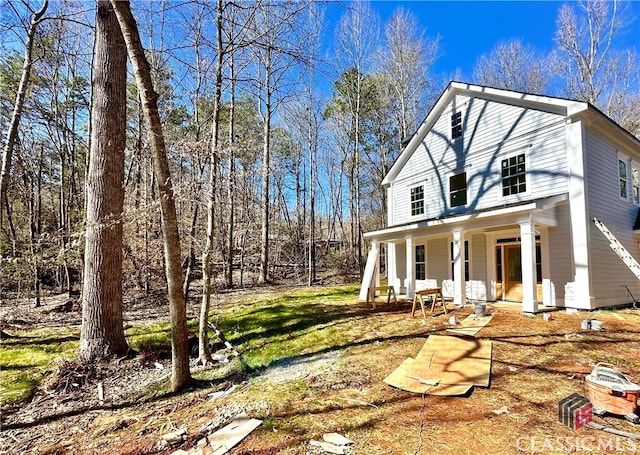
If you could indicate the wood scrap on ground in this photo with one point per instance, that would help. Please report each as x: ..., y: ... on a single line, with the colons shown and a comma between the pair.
x: 445, y: 366
x: 337, y: 439
x: 328, y: 447
x: 332, y: 443
x: 231, y: 435
x: 471, y: 325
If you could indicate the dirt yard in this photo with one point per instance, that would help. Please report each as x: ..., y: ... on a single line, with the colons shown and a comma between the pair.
x: 535, y: 363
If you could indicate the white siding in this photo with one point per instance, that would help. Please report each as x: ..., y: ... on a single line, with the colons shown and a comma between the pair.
x: 401, y: 265
x: 492, y: 132
x: 608, y: 272
x: 477, y: 286
x: 478, y: 257
x: 438, y: 264
x: 561, y: 269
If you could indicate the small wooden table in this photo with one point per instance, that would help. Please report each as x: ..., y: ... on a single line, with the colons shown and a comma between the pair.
x: 419, y: 297
x: 371, y: 295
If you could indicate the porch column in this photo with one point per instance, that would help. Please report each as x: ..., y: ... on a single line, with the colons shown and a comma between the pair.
x: 459, y: 284
x: 371, y: 276
x: 376, y: 270
x: 410, y: 282
x: 528, y: 258
x: 392, y: 269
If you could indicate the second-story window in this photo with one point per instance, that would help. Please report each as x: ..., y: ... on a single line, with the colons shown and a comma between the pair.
x: 622, y: 178
x: 458, y: 190
x: 514, y: 175
x: 417, y: 200
x: 456, y: 125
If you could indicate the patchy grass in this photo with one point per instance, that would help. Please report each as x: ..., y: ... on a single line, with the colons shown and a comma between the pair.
x: 156, y: 337
x: 27, y: 357
x: 305, y: 321
x: 321, y: 359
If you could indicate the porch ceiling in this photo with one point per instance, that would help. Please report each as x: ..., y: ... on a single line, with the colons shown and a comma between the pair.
x: 541, y: 212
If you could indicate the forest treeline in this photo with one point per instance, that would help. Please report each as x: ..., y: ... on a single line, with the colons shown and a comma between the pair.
x: 327, y: 120
x: 278, y: 130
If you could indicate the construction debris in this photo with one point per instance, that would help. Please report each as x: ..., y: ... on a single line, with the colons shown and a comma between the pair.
x: 328, y: 447
x: 471, y: 325
x: 445, y: 366
x: 231, y: 435
x: 332, y: 443
x: 337, y: 439
x: 175, y: 437
x: 502, y: 410
x: 222, y: 393
x: 217, y: 443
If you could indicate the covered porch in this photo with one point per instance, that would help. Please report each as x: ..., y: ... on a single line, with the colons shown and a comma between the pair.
x: 494, y: 255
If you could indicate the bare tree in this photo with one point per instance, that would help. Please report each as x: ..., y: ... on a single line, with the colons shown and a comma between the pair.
x: 405, y: 62
x: 356, y: 36
x: 629, y: 113
x: 204, y: 351
x: 12, y: 132
x: 586, y: 59
x: 277, y: 50
x: 102, y: 333
x: 180, y: 374
x: 515, y: 66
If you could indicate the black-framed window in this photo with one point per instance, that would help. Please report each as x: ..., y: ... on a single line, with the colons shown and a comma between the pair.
x: 466, y: 259
x: 417, y: 200
x: 456, y: 125
x: 514, y: 175
x: 538, y: 263
x: 421, y: 263
x: 458, y: 190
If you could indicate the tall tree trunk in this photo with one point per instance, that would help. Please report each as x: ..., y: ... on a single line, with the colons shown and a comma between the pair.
x: 312, y: 196
x: 191, y: 258
x: 180, y: 374
x: 263, y: 276
x: 358, y: 224
x: 203, y: 332
x: 21, y: 95
x: 231, y: 165
x: 102, y: 333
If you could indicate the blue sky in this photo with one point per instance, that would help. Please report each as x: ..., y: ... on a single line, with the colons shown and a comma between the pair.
x: 469, y: 29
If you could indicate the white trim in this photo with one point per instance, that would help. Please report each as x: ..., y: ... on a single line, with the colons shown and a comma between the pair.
x: 635, y: 184
x: 397, y: 232
x: 459, y: 283
x: 623, y: 158
x: 580, y: 222
x: 528, y: 259
x: 420, y: 184
x: 410, y: 281
x: 527, y: 179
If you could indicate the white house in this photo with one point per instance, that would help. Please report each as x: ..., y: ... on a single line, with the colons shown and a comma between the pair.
x: 494, y: 198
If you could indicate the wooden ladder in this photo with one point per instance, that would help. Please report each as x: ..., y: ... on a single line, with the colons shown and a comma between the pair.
x: 620, y: 250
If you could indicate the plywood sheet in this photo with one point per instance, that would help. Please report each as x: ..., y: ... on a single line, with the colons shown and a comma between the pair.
x: 402, y: 378
x: 471, y: 325
x: 231, y: 435
x: 445, y: 366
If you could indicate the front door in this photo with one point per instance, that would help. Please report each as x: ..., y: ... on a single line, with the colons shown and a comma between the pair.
x: 513, y: 273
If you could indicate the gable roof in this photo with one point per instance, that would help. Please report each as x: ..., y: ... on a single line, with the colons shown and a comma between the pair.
x: 560, y: 106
